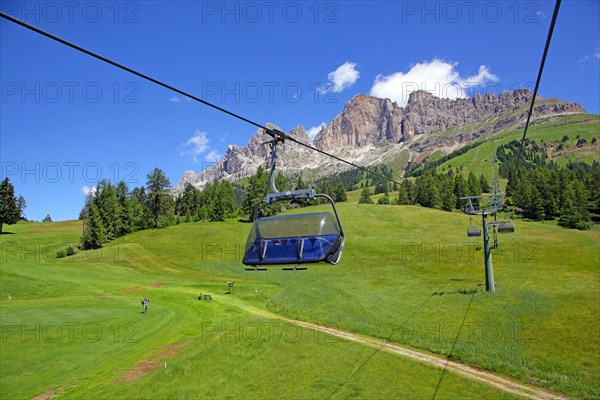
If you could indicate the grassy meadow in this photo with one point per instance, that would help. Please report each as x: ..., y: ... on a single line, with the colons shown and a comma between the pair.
x: 409, y: 275
x: 584, y: 126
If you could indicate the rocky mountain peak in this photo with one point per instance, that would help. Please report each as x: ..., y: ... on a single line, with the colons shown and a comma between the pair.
x: 420, y: 96
x: 369, y: 124
x: 299, y: 134
x: 365, y: 120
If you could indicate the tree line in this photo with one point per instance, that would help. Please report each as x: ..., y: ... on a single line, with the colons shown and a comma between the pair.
x: 569, y: 194
x: 113, y: 210
x: 532, y: 156
x: 357, y: 179
x: 434, y: 190
x: 538, y: 188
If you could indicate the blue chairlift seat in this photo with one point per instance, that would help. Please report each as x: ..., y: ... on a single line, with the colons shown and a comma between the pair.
x: 473, y: 230
x: 294, y: 239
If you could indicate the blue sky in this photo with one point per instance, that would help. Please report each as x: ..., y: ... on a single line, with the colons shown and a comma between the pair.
x: 67, y: 120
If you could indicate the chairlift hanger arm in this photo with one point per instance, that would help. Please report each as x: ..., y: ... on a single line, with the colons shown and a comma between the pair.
x: 276, y: 195
x: 484, y: 196
x: 272, y: 176
x: 337, y: 217
x: 276, y: 134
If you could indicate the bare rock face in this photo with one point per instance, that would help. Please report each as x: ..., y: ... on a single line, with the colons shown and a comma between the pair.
x: 558, y: 108
x: 365, y: 120
x: 369, y: 120
x: 369, y: 123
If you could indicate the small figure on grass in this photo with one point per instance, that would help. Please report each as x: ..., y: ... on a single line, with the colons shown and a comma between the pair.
x: 145, y: 304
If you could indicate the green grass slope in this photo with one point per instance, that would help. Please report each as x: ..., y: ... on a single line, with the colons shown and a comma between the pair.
x: 74, y: 325
x: 586, y: 126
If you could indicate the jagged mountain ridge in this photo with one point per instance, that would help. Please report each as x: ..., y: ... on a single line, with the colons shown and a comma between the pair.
x: 371, y: 130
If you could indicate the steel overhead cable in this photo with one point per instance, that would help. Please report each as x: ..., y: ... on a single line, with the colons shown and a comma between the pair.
x: 537, y: 82
x: 271, y: 132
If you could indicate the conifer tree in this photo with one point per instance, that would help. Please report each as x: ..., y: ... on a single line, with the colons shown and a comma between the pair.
x: 405, y: 192
x: 340, y: 193
x: 93, y: 234
x: 484, y: 184
x: 125, y: 212
x: 108, y: 208
x: 9, y: 211
x: 460, y: 189
x: 159, y: 204
x: 385, y: 199
x: 21, y: 205
x: 365, y: 197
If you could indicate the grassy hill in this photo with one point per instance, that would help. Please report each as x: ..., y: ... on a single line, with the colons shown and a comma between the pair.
x: 409, y: 275
x: 586, y: 126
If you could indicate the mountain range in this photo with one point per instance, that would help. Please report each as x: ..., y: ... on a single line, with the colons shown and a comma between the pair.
x: 370, y: 131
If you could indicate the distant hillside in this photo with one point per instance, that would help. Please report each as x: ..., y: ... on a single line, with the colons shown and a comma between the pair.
x: 371, y: 131
x: 558, y: 135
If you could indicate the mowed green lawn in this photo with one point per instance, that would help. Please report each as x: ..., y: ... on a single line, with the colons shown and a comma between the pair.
x: 408, y: 274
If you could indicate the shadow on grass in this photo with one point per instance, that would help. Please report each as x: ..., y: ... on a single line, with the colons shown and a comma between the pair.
x: 459, y: 291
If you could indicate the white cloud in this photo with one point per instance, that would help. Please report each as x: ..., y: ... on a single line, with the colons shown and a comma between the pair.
x: 482, y: 77
x: 87, y: 190
x: 174, y: 99
x: 313, y: 131
x: 213, y: 156
x: 541, y: 15
x: 438, y: 77
x: 587, y: 57
x: 342, y: 78
x: 195, y: 145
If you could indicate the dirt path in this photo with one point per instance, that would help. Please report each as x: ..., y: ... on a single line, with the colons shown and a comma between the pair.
x: 464, y: 370
x: 146, y: 366
x: 467, y: 371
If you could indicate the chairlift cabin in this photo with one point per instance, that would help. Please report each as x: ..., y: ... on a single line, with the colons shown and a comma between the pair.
x: 506, y: 227
x: 295, y: 238
x: 473, y: 230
